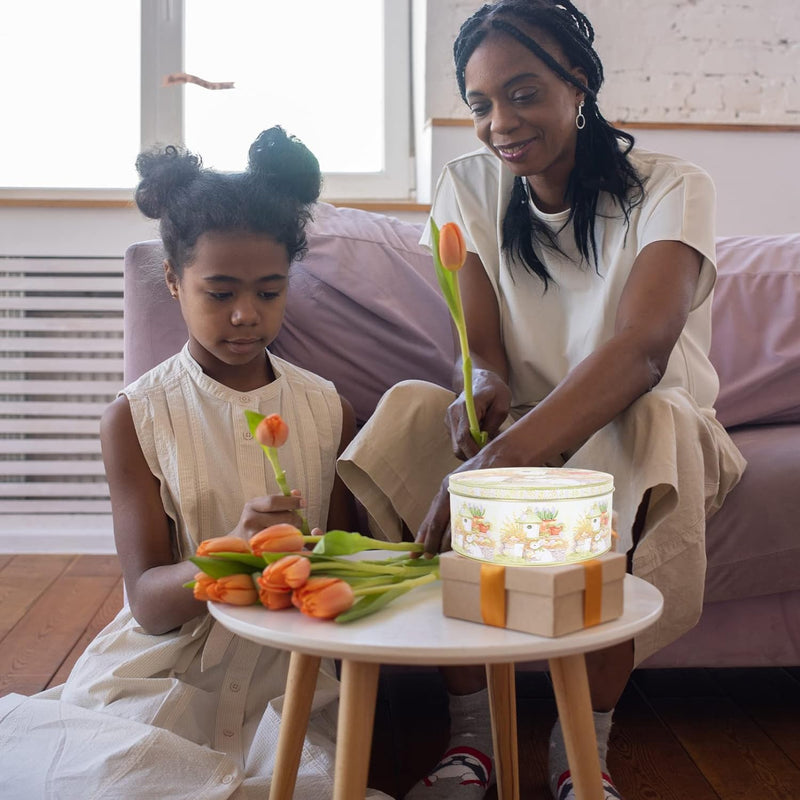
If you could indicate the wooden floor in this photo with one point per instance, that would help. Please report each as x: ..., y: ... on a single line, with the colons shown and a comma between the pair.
x: 679, y: 735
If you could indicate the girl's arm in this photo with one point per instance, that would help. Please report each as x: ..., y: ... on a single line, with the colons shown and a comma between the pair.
x: 342, y: 511
x: 153, y: 578
x: 652, y: 312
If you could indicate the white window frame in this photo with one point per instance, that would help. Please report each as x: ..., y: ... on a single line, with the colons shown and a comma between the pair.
x: 162, y: 112
x: 162, y: 45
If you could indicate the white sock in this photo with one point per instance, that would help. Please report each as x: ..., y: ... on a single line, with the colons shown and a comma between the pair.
x: 557, y: 754
x: 466, y: 770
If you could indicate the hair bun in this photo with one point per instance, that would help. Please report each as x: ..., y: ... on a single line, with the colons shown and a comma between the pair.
x: 286, y: 164
x: 163, y: 173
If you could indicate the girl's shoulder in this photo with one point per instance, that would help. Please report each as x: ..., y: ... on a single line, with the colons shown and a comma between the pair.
x: 156, y: 378
x: 299, y: 376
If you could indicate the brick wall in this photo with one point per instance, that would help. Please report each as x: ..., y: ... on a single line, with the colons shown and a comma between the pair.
x: 718, y: 61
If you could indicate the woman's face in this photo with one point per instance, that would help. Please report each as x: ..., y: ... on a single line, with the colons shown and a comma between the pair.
x: 525, y: 113
x: 232, y: 296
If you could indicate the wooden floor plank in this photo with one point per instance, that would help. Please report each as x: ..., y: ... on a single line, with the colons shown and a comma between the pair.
x: 738, y: 759
x: 4, y: 559
x: 106, y: 612
x: 35, y: 648
x: 646, y: 760
x: 87, y: 565
x: 22, y: 581
x: 771, y: 697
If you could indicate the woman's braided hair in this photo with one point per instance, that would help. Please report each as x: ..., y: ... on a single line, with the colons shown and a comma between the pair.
x: 601, y: 155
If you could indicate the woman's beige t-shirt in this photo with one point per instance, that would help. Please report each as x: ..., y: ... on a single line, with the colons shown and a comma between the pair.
x: 546, y: 334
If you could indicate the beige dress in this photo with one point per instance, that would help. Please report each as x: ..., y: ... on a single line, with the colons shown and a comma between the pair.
x: 194, y: 712
x: 668, y: 441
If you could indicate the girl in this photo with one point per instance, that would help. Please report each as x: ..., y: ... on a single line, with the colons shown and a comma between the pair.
x: 165, y: 702
x: 587, y: 297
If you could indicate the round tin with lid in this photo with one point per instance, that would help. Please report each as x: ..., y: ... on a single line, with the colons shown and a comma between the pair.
x: 531, y: 515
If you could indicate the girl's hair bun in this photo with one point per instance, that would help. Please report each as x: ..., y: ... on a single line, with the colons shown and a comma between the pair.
x: 285, y: 164
x: 164, y: 172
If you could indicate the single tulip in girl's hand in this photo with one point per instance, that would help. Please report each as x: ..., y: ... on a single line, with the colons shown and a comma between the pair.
x: 449, y: 255
x: 271, y: 432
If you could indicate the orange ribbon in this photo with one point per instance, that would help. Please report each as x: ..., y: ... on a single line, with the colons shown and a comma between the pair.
x: 493, y: 594
x: 593, y: 594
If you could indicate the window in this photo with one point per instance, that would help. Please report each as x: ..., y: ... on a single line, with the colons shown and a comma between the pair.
x: 334, y: 74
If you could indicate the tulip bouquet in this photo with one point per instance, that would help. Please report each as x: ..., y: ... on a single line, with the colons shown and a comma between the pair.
x: 276, y: 569
x: 449, y: 255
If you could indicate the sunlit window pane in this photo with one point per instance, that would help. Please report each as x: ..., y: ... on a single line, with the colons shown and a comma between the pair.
x: 313, y: 66
x: 70, y: 93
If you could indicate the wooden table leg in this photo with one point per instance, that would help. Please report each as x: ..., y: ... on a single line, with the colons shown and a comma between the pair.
x: 300, y: 685
x: 359, y: 692
x: 571, y: 687
x: 503, y: 705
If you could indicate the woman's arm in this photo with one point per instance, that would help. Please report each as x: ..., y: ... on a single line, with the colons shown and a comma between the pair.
x: 153, y: 579
x: 342, y: 512
x: 652, y: 312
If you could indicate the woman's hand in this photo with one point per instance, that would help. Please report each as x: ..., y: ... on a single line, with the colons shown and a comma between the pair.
x: 492, y: 404
x: 261, y: 512
x: 434, y: 532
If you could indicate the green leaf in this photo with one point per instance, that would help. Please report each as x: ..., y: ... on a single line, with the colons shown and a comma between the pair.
x: 219, y: 568
x: 369, y: 605
x: 242, y: 558
x: 446, y: 279
x: 253, y: 419
x: 342, y: 543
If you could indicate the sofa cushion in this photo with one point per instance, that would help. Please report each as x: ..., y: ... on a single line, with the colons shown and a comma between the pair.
x: 363, y: 310
x: 755, y: 344
x: 753, y: 541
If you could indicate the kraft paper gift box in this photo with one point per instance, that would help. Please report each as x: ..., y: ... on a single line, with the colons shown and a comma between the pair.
x: 548, y: 601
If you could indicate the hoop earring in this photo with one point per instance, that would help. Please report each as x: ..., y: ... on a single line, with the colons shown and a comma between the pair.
x: 580, y: 120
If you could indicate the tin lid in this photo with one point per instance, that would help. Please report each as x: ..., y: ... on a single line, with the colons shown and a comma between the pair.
x: 531, y: 483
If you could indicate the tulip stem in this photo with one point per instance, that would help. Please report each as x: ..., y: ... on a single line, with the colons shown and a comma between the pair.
x: 466, y: 367
x: 280, y: 477
x: 411, y: 583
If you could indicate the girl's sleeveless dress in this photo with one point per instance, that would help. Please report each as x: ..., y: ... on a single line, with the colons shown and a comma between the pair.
x: 194, y: 712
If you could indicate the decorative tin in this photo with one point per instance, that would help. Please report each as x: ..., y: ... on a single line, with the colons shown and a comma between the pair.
x: 531, y: 515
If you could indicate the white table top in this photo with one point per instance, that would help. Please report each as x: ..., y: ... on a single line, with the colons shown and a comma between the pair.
x: 413, y: 630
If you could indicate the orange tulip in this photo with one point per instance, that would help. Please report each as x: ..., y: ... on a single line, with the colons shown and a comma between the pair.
x: 222, y: 544
x: 201, y: 584
x: 236, y: 590
x: 280, y: 538
x: 275, y: 601
x: 272, y: 431
x: 285, y: 574
x: 324, y: 598
x: 452, y: 248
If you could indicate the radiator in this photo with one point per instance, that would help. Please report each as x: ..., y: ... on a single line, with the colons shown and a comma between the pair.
x: 60, y: 366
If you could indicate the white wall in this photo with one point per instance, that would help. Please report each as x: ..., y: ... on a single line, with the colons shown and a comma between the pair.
x: 723, y: 63
x: 716, y: 61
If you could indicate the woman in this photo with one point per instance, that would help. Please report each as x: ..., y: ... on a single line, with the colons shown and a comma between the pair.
x: 587, y: 297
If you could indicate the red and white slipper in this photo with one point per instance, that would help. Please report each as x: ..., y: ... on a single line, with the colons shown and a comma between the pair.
x: 565, y: 790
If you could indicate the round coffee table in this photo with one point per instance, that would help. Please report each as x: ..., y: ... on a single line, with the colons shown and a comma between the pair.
x: 413, y: 630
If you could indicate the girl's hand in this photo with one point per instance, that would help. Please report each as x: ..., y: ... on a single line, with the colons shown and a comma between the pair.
x: 261, y: 512
x: 492, y: 404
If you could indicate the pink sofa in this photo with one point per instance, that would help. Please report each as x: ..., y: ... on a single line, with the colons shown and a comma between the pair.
x: 365, y: 312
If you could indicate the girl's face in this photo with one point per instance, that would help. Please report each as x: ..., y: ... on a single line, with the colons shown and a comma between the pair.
x: 232, y: 296
x: 525, y: 113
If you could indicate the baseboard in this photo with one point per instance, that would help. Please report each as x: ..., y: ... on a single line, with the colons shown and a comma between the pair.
x: 91, y: 534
